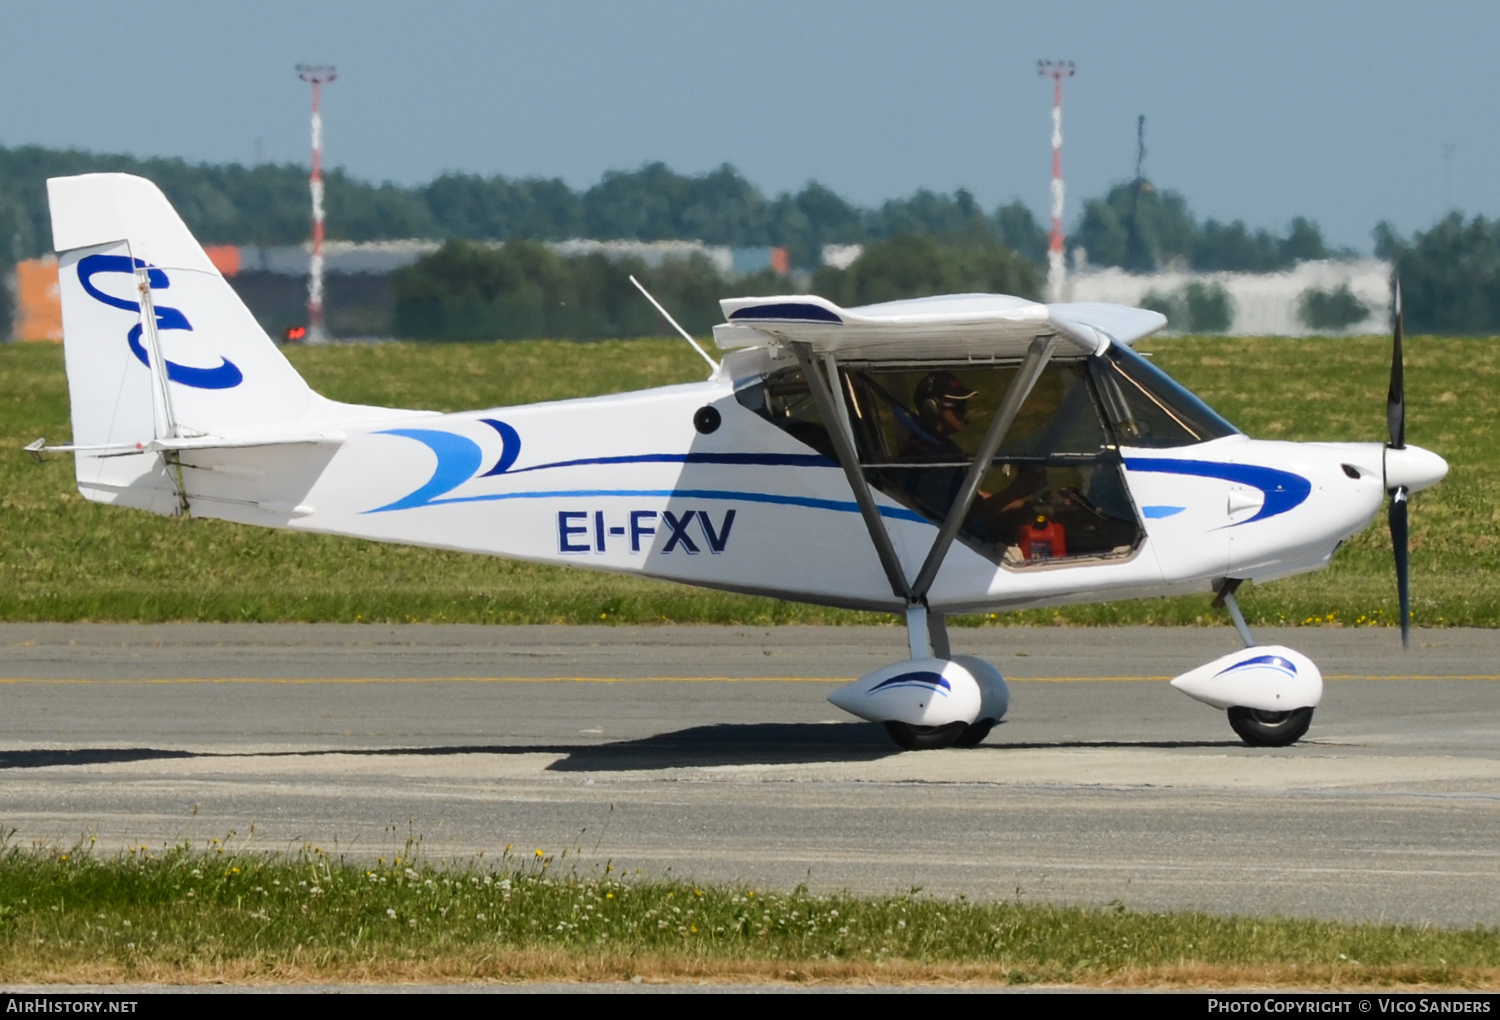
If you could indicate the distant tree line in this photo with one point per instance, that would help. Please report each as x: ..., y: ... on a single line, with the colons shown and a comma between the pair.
x: 1450, y: 274
x: 468, y: 290
x: 1134, y: 225
x: 924, y: 243
x: 1141, y: 229
x: 268, y: 205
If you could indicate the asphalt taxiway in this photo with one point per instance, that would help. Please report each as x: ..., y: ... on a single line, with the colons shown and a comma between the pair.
x: 711, y: 753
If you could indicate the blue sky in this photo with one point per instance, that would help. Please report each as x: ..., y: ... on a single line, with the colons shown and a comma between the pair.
x: 1345, y: 112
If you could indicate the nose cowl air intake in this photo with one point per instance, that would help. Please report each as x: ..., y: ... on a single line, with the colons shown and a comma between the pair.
x: 1413, y: 468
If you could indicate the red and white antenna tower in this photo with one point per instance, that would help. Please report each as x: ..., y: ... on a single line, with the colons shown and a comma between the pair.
x: 316, y: 75
x: 1057, y: 269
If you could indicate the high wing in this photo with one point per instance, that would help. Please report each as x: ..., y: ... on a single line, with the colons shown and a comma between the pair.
x: 950, y: 326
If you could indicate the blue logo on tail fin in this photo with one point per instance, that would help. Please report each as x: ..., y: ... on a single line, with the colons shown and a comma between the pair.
x: 226, y: 375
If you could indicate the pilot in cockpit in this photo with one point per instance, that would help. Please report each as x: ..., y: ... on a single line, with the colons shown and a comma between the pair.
x: 942, y: 406
x: 942, y: 411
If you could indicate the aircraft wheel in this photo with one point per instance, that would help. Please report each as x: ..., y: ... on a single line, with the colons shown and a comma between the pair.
x: 926, y: 738
x: 1270, y: 729
x: 974, y: 733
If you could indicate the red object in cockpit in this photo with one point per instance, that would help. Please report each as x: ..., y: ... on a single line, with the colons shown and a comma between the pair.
x: 1043, y: 539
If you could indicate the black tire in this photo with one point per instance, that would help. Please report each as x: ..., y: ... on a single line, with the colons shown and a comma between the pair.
x: 974, y: 733
x: 925, y: 738
x: 1270, y: 729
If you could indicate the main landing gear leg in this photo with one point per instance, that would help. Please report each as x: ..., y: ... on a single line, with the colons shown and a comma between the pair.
x: 922, y: 631
x: 918, y: 631
x: 937, y: 634
x: 920, y: 705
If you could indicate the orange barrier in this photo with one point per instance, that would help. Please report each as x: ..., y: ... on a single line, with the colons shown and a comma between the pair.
x: 225, y: 257
x: 38, y: 306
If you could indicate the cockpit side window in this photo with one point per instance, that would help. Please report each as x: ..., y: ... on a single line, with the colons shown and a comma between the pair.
x: 783, y: 399
x: 936, y: 415
x: 1055, y: 490
x: 1148, y: 408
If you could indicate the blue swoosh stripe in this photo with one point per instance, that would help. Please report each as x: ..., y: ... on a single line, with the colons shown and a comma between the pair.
x: 458, y: 458
x: 894, y: 513
x: 743, y: 459
x: 1274, y: 661
x: 935, y: 682
x: 510, y: 447
x: 1283, y: 490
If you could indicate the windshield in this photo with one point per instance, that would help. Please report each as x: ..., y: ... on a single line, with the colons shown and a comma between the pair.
x: 1149, y: 408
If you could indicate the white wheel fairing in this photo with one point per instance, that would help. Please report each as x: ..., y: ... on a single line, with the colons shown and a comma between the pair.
x: 994, y: 692
x: 1270, y: 678
x: 918, y: 692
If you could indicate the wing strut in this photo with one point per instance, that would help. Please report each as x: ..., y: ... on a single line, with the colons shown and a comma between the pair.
x: 1037, y: 356
x: 915, y: 594
x: 843, y: 445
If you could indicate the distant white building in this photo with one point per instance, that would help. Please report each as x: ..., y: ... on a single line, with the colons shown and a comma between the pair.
x: 841, y: 256
x: 387, y: 256
x: 653, y: 253
x: 1260, y: 304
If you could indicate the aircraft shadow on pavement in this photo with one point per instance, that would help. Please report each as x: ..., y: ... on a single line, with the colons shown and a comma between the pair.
x: 797, y: 744
x: 698, y: 746
x: 86, y: 756
x: 695, y: 747
x: 735, y: 744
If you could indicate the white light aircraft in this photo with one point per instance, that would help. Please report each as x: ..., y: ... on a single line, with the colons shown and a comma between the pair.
x: 946, y: 455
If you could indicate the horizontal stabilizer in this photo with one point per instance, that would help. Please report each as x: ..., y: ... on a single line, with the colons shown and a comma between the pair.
x: 186, y: 443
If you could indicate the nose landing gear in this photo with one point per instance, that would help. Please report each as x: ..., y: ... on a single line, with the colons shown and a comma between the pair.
x: 1268, y: 691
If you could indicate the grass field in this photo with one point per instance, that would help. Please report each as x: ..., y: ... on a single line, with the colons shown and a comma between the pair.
x: 62, y: 558
x: 215, y: 915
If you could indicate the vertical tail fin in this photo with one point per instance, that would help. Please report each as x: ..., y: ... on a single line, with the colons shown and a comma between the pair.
x: 120, y: 245
x: 222, y: 371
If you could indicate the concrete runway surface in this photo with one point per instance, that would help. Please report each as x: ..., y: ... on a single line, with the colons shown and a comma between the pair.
x: 710, y: 753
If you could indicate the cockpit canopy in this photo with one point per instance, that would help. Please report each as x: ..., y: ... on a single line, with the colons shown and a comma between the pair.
x: 918, y: 425
x: 921, y: 381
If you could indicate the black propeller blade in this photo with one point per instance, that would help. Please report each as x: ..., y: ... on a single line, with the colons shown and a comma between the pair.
x: 1397, y: 518
x: 1395, y: 400
x: 1395, y: 419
